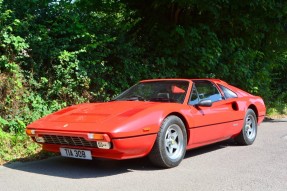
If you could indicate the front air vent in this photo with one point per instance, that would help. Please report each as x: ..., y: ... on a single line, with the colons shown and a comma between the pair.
x: 68, y: 140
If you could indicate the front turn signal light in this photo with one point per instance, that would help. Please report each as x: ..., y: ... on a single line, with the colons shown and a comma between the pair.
x: 30, y: 131
x: 99, y: 137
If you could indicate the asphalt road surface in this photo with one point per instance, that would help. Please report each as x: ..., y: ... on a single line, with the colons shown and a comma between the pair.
x: 222, y: 166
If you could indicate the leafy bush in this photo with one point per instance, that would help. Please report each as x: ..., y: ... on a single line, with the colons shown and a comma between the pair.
x: 15, y: 146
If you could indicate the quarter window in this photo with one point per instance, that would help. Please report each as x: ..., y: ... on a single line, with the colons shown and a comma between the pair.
x: 227, y: 92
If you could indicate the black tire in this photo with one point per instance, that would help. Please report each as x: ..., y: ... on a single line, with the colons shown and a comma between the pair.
x: 249, y: 130
x: 170, y: 145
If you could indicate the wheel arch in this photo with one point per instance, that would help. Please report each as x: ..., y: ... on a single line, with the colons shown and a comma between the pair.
x: 254, y: 108
x: 184, y: 122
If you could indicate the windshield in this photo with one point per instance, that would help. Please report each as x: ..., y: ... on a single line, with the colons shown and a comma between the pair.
x: 157, y: 91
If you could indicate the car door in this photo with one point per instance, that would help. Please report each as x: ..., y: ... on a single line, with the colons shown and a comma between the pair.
x: 209, y: 123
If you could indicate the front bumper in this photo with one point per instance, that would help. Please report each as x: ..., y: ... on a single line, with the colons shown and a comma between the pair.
x: 122, y: 148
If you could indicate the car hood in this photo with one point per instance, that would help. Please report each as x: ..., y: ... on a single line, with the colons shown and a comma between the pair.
x: 99, y: 117
x: 99, y: 112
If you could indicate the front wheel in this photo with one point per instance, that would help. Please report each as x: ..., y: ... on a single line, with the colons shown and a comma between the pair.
x: 249, y: 130
x: 170, y: 146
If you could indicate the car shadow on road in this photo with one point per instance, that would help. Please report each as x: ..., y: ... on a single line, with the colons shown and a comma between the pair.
x: 77, y: 169
x: 210, y: 148
x: 270, y: 120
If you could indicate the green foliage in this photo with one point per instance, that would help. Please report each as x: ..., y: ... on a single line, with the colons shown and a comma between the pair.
x: 239, y: 42
x: 279, y: 80
x: 15, y: 146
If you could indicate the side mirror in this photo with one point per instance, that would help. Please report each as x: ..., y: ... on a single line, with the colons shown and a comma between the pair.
x: 205, y: 103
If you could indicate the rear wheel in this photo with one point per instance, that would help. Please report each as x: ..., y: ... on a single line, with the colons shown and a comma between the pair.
x: 249, y: 130
x: 170, y: 146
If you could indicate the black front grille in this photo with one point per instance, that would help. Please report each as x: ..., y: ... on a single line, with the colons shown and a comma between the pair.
x: 67, y: 140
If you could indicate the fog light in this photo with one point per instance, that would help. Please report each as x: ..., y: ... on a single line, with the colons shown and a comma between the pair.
x: 40, y: 139
x: 103, y: 145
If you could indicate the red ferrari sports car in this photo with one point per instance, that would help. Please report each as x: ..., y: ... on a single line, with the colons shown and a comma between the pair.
x: 159, y: 118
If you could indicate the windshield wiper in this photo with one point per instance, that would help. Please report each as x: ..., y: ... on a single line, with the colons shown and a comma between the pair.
x: 132, y: 98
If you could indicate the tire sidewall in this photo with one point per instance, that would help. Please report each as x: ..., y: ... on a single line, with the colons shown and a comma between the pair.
x: 165, y: 126
x: 246, y: 139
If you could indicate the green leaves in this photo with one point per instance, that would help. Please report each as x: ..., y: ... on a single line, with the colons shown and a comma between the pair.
x: 233, y: 40
x: 3, y: 123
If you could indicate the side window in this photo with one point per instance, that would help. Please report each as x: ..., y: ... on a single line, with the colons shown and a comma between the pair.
x: 207, y: 91
x: 227, y: 92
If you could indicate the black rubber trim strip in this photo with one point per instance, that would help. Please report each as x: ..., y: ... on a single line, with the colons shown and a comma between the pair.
x: 216, y: 124
x: 134, y: 136
x: 189, y: 128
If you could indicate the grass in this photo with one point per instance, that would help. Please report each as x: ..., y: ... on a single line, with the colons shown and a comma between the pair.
x: 17, y: 147
x: 277, y: 111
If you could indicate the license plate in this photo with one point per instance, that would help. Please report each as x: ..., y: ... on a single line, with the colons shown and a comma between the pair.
x: 76, y: 153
